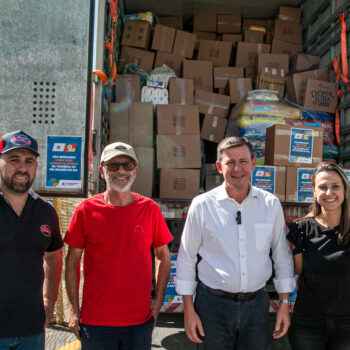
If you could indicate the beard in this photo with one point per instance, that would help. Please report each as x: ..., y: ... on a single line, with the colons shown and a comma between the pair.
x: 13, y: 185
x: 121, y: 189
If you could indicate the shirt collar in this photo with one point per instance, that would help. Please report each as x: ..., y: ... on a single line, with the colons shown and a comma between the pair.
x: 222, y: 193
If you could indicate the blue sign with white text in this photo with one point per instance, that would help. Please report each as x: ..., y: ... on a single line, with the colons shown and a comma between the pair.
x: 63, y: 169
x: 264, y: 178
x: 301, y: 145
x: 304, y: 185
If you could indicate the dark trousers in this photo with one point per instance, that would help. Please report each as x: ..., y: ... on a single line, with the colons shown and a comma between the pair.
x: 308, y: 333
x: 232, y: 325
x: 137, y: 337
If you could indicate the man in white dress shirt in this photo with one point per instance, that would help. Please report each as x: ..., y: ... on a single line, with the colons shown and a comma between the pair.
x: 232, y: 228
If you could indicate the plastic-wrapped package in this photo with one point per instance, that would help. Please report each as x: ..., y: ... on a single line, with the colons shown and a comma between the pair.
x: 327, y: 126
x: 159, y: 96
x: 162, y: 74
x: 265, y: 102
x: 257, y: 107
x: 315, y: 115
x: 251, y: 120
x: 330, y: 151
x: 144, y: 16
x: 131, y: 68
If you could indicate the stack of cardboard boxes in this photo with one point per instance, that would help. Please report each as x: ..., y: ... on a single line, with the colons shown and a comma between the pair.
x: 178, y: 151
x: 217, y: 64
x: 291, y: 154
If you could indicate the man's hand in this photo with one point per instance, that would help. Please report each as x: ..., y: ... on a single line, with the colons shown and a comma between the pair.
x: 73, y: 323
x: 282, y: 321
x: 49, y: 306
x: 155, y: 307
x: 192, y: 323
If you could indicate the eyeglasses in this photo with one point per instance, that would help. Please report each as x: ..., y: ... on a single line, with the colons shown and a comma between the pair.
x: 127, y: 166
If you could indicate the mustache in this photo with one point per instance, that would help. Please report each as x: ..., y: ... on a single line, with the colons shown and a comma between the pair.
x: 22, y: 173
x: 119, y: 176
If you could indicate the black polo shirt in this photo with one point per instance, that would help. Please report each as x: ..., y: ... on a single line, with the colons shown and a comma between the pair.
x: 324, y: 284
x: 23, y: 241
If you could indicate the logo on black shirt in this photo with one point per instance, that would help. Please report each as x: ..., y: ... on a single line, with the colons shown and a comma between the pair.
x: 45, y: 230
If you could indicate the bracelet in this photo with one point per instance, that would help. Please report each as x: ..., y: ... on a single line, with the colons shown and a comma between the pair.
x: 284, y: 301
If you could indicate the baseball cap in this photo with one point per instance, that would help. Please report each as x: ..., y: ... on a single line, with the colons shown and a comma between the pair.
x: 18, y: 139
x: 117, y: 149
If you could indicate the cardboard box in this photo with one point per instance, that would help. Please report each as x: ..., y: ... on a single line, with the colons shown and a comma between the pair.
x: 234, y: 38
x: 136, y: 33
x: 210, y: 169
x: 179, y: 184
x: 272, y: 79
x: 289, y: 13
x: 172, y: 21
x: 223, y: 74
x: 127, y: 88
x: 229, y: 23
x: 213, y: 128
x: 213, y: 104
x: 163, y: 38
x: 178, y: 151
x: 144, y: 181
x: 296, y: 83
x: 205, y: 36
x: 284, y: 47
x: 204, y: 22
x: 271, y: 179
x: 321, y: 96
x: 180, y: 91
x: 293, y: 146
x: 248, y: 23
x: 278, y: 61
x: 253, y: 36
x: 289, y: 31
x: 184, y: 44
x: 302, y: 62
x: 177, y: 120
x: 171, y: 60
x: 212, y: 181
x: 133, y: 126
x: 247, y: 56
x: 201, y: 72
x: 299, y: 185
x: 218, y: 52
x: 239, y: 88
x: 141, y: 58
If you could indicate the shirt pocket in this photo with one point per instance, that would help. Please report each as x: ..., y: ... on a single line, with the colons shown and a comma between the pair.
x: 263, y: 234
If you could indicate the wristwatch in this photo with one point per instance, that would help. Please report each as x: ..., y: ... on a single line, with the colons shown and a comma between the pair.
x: 284, y: 301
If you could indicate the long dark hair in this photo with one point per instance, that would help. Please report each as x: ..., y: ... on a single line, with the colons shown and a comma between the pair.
x: 316, y: 210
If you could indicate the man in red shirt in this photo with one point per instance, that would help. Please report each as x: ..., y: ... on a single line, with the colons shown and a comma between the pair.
x: 116, y: 230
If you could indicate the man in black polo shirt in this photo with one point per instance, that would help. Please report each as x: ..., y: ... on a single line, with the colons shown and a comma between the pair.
x: 30, y: 248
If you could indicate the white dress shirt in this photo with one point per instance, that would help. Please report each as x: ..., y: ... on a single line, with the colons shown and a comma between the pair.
x: 235, y: 258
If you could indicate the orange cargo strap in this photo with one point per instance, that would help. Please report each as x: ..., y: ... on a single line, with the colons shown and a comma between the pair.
x: 101, y: 75
x: 340, y: 68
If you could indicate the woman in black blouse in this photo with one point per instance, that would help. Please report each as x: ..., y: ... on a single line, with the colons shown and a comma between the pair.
x: 321, y: 249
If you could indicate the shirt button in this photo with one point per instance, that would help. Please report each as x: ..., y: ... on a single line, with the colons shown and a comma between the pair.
x: 243, y: 273
x: 242, y: 256
x: 242, y: 290
x: 241, y: 239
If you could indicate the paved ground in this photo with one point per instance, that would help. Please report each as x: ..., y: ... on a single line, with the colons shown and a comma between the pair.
x: 168, y: 335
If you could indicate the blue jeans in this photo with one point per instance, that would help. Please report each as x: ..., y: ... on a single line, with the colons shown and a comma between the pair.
x: 137, y: 337
x: 31, y: 342
x: 319, y: 334
x: 232, y: 325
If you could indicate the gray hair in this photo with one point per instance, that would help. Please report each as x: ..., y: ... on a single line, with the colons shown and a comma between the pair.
x: 231, y: 142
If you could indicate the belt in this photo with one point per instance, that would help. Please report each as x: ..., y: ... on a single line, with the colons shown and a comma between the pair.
x: 234, y: 296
